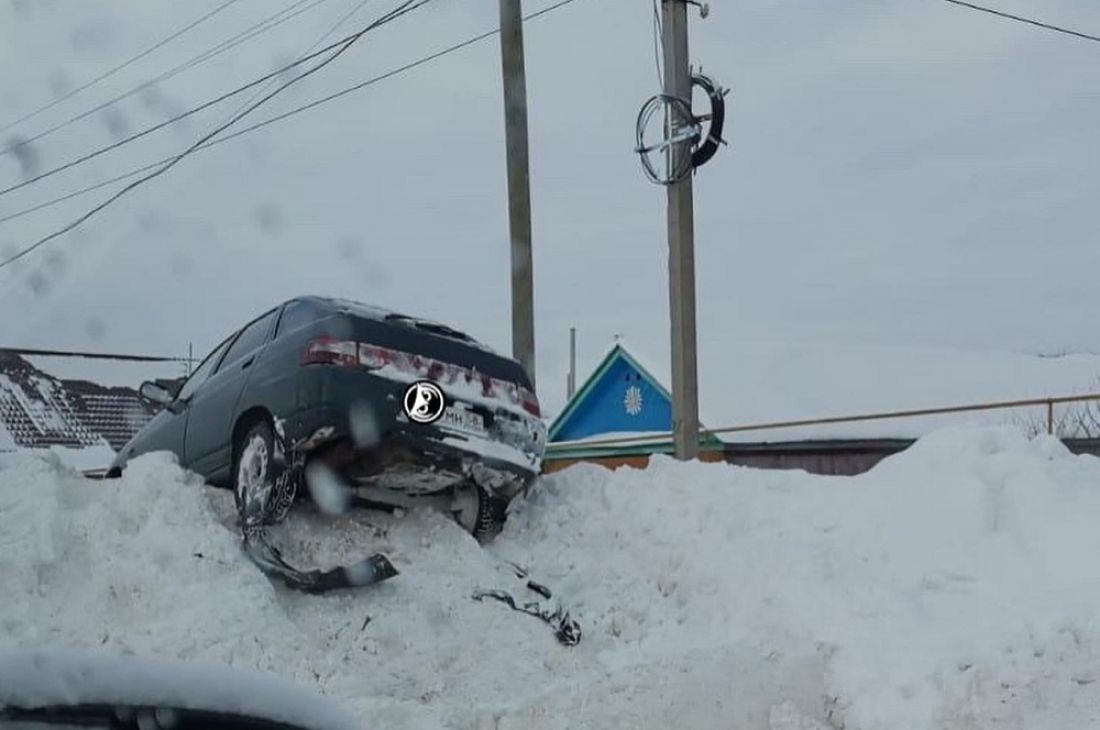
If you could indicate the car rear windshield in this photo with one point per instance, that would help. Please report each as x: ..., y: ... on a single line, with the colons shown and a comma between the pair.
x: 436, y: 328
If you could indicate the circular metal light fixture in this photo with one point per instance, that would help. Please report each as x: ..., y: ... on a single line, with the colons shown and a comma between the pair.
x: 661, y: 147
x: 678, y: 128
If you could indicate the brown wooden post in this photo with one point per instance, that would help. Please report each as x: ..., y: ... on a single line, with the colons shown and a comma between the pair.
x: 519, y: 185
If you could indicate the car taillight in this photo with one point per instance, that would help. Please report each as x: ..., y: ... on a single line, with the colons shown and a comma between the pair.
x: 347, y: 353
x: 530, y: 402
x: 374, y: 357
x: 329, y: 350
x: 515, y: 394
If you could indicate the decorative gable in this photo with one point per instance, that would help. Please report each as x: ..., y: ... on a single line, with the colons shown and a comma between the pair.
x: 619, y: 397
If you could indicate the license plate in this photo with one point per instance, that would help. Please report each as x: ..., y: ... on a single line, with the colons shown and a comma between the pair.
x: 463, y: 420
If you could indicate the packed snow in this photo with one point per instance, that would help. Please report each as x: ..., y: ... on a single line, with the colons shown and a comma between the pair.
x: 91, y: 459
x: 88, y: 458
x: 948, y: 587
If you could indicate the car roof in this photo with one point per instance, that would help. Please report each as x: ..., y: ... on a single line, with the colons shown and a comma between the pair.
x: 336, y: 303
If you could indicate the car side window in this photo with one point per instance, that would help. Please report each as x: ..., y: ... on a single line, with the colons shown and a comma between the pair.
x: 251, y: 337
x: 202, y: 372
x: 295, y: 314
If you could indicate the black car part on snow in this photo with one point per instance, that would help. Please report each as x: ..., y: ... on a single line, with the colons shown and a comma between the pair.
x: 566, y: 628
x: 258, y: 508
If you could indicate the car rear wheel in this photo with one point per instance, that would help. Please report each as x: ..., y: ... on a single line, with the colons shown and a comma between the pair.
x: 481, y: 513
x: 254, y: 473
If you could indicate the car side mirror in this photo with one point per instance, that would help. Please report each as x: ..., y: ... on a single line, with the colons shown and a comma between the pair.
x: 156, y: 393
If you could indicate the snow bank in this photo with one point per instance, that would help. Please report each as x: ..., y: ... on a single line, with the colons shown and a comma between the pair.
x: 949, y: 587
x: 88, y: 458
x: 123, y: 563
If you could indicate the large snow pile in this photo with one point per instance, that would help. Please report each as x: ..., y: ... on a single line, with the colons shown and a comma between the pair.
x: 949, y: 587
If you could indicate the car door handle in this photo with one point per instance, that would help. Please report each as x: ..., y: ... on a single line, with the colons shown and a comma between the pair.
x: 247, y: 362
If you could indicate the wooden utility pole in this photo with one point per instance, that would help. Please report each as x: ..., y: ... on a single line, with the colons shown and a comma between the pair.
x: 681, y: 240
x: 519, y: 188
x: 571, y: 381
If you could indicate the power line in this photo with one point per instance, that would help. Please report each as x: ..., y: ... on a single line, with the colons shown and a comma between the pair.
x: 297, y: 110
x: 107, y: 74
x: 324, y: 36
x: 179, y: 117
x: 658, y: 42
x: 1021, y: 19
x: 340, y: 47
x: 388, y: 74
x: 90, y: 188
x: 256, y: 29
x: 345, y: 18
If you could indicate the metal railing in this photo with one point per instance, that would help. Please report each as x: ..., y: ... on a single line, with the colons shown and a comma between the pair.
x: 988, y: 406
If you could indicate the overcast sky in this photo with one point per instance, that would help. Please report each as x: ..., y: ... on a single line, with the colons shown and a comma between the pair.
x: 899, y: 171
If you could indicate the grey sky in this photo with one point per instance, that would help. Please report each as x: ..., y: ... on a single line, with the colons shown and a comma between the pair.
x: 899, y: 172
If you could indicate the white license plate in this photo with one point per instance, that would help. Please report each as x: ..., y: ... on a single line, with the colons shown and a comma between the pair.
x: 463, y: 420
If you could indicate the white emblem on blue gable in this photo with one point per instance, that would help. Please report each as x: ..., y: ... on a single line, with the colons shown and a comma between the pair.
x: 632, y: 400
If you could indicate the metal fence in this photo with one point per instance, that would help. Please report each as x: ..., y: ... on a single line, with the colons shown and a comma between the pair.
x: 96, y: 355
x: 1048, y: 403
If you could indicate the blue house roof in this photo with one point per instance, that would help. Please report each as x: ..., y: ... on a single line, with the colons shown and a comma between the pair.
x: 621, y: 396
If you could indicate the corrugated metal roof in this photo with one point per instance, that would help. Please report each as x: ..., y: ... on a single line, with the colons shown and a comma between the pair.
x: 38, y: 410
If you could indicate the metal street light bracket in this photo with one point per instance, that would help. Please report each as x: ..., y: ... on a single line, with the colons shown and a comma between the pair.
x: 680, y: 126
x: 712, y: 140
x: 704, y: 8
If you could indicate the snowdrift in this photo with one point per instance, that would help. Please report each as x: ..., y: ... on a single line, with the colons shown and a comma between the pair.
x: 949, y: 587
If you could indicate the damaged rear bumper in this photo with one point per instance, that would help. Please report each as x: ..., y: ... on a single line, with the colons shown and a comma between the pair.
x: 425, y: 458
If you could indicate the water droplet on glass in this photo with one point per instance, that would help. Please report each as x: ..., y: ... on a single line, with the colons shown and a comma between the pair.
x: 326, y: 488
x: 363, y: 425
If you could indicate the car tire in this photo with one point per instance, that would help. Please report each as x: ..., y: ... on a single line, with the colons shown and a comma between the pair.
x: 254, y: 470
x: 491, y: 514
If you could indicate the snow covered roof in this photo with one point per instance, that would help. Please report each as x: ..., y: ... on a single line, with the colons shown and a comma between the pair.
x: 109, y: 373
x: 79, y: 403
x: 766, y: 382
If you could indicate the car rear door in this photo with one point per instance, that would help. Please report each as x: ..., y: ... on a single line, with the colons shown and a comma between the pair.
x: 213, y: 407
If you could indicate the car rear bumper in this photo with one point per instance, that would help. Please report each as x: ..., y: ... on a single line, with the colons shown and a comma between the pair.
x: 381, y: 447
x: 414, y: 462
